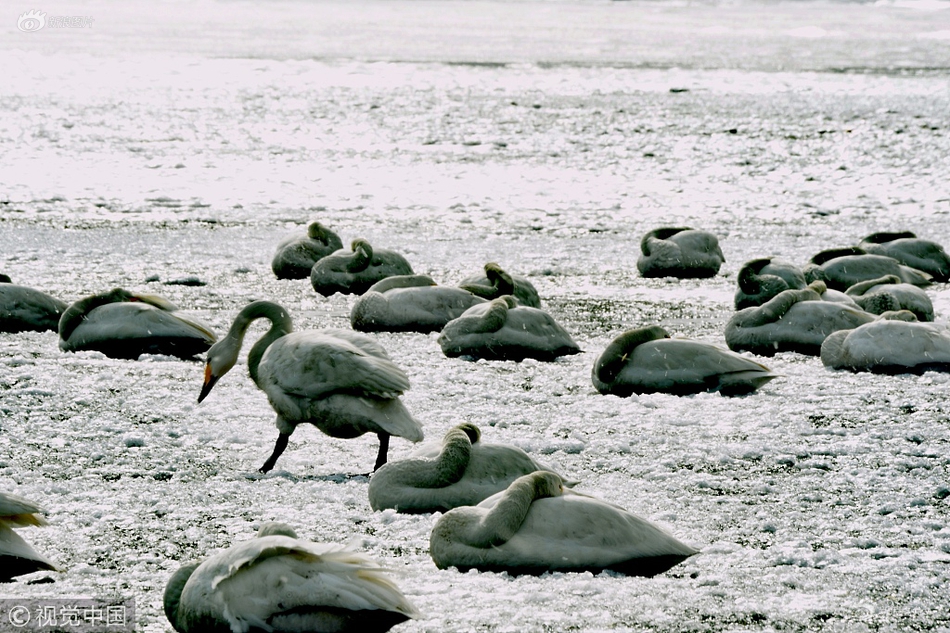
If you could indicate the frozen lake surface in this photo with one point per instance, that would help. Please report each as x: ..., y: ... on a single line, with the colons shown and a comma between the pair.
x: 180, y: 139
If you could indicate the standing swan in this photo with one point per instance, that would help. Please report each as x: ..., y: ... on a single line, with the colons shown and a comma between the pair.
x: 461, y: 471
x: 537, y: 525
x: 16, y: 555
x: 340, y: 381
x: 277, y: 582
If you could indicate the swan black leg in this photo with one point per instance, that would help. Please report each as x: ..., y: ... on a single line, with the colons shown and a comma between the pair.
x: 383, y: 450
x: 282, y: 440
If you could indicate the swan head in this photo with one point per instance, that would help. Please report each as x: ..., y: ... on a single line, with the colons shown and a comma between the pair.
x: 275, y: 528
x: 222, y: 356
x: 498, y: 277
x: 546, y: 484
x: 360, y: 244
x: 470, y: 430
x: 171, y: 600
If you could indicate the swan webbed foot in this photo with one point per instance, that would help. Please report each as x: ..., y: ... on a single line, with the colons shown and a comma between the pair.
x: 282, y: 440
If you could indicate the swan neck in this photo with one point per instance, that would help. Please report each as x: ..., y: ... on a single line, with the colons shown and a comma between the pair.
x: 76, y: 313
x: 504, y: 520
x: 281, y: 324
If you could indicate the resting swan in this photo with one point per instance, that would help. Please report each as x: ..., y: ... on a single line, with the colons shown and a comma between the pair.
x: 496, y: 282
x: 792, y: 321
x: 503, y: 330
x: 537, y: 525
x: 680, y: 252
x: 342, y: 382
x: 888, y: 293
x: 841, y: 268
x: 23, y: 309
x: 908, y: 249
x: 122, y: 324
x: 280, y: 583
x: 462, y: 471
x: 647, y: 360
x: 354, y: 271
x: 16, y: 556
x: 295, y: 256
x: 895, y: 343
x: 761, y: 279
x: 409, y: 303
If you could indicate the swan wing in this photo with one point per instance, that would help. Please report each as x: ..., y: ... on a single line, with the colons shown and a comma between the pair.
x: 677, y: 361
x: 251, y: 583
x: 315, y: 365
x: 17, y: 511
x: 23, y: 308
x: 118, y: 321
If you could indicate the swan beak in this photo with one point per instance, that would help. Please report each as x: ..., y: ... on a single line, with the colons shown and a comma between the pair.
x: 210, y: 379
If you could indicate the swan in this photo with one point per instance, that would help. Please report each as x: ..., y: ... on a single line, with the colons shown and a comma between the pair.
x: 792, y: 321
x: 841, y: 268
x: 870, y: 295
x: 908, y: 249
x: 354, y: 271
x: 895, y: 343
x: 761, y: 279
x: 295, y: 256
x: 278, y: 582
x: 342, y: 382
x: 24, y: 309
x: 537, y: 525
x: 496, y: 282
x: 680, y: 252
x: 409, y: 303
x: 503, y: 330
x: 16, y: 555
x: 647, y: 360
x: 461, y: 471
x: 122, y: 324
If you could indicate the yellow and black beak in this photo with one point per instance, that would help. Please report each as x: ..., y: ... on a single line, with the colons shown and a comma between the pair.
x: 210, y: 379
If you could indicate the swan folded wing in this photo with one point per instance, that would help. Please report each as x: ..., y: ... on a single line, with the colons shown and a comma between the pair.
x: 344, y: 415
x: 19, y: 512
x: 271, y: 575
x: 896, y: 343
x: 116, y: 321
x: 575, y: 530
x: 13, y: 546
x: 318, y: 365
x: 680, y: 359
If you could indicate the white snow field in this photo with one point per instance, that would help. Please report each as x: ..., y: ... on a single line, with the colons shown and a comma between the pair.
x: 170, y: 140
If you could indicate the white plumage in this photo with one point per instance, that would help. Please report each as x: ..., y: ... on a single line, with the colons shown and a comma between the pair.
x: 338, y: 380
x: 537, y: 525
x: 280, y: 583
x: 17, y: 557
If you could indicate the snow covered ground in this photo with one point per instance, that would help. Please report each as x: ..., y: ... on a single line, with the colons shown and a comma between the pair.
x: 187, y: 139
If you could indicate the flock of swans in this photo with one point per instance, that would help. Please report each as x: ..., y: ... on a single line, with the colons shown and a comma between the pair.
x: 860, y: 308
